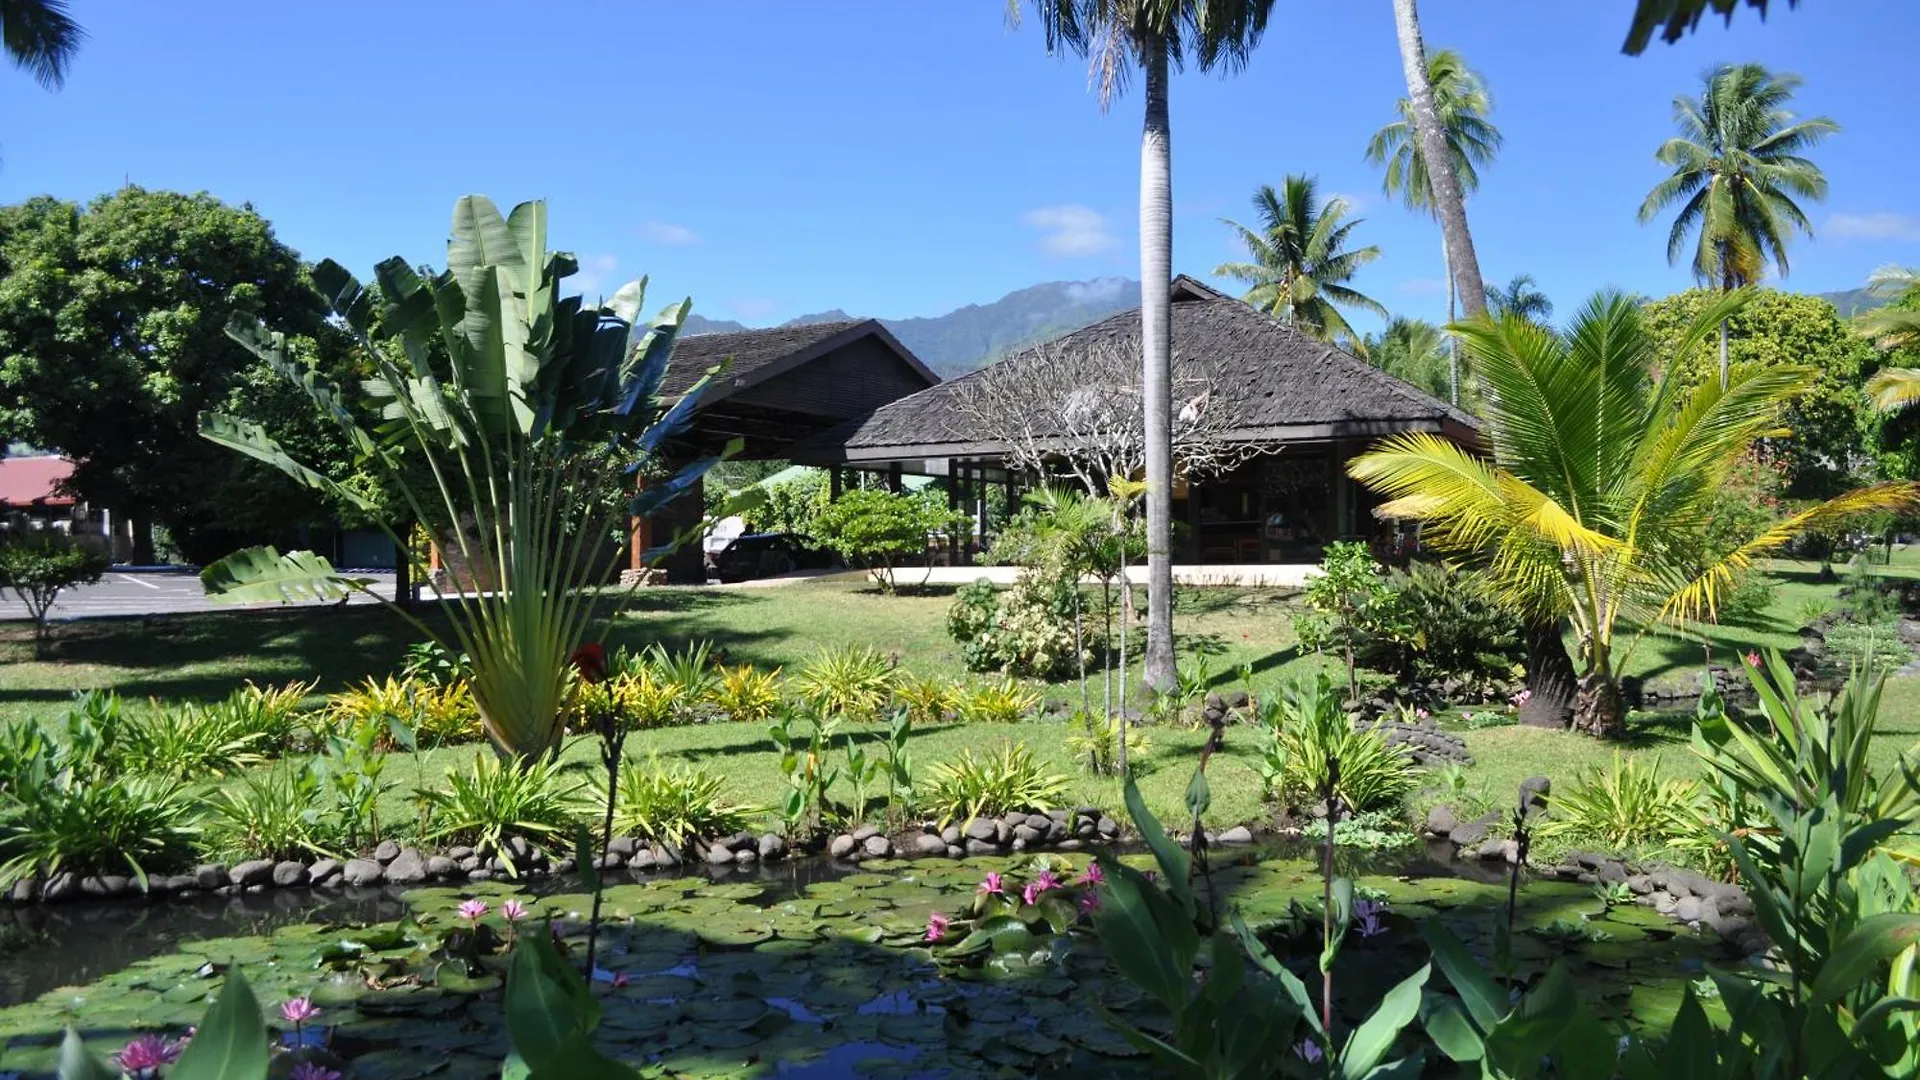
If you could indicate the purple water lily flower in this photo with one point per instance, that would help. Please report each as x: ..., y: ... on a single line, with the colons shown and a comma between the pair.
x: 1309, y: 1050
x: 299, y: 1010
x: 1094, y: 875
x: 308, y: 1070
x: 1089, y: 902
x: 474, y: 910
x: 514, y: 910
x: 144, y: 1055
x: 1369, y: 912
x: 1046, y: 881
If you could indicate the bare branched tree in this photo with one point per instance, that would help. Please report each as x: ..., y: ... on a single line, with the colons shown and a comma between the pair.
x: 1055, y: 408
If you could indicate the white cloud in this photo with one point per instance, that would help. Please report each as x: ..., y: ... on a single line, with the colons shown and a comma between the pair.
x: 669, y: 234
x: 1099, y: 290
x: 752, y: 307
x: 1071, y: 231
x: 596, y: 275
x: 1879, y: 225
x: 1422, y: 286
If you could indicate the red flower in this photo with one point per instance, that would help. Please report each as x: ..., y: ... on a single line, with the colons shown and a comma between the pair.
x: 590, y: 660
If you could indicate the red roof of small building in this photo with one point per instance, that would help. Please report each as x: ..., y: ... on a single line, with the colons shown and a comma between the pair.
x: 34, y: 481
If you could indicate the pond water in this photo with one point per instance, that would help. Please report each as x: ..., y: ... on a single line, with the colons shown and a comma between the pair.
x: 802, y: 969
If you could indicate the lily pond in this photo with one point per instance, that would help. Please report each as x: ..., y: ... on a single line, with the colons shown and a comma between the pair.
x: 803, y: 970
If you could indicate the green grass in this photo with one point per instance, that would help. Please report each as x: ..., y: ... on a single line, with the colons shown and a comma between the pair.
x: 204, y: 656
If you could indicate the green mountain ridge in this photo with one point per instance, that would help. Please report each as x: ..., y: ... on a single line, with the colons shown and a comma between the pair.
x: 967, y: 338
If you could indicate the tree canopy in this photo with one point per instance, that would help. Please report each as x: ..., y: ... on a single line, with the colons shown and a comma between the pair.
x: 1782, y: 329
x: 112, y: 342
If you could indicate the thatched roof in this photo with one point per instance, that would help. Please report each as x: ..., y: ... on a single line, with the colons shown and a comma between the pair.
x: 1285, y: 386
x: 758, y: 355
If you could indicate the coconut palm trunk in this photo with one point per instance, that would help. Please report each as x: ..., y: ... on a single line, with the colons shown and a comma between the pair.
x: 1463, y: 264
x: 1453, y: 347
x: 1156, y: 359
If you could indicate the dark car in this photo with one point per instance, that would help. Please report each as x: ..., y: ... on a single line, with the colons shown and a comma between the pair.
x: 758, y: 555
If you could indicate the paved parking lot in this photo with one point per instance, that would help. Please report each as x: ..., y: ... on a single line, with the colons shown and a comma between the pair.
x: 143, y: 592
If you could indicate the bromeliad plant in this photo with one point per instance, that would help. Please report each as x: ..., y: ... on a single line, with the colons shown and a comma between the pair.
x: 503, y: 408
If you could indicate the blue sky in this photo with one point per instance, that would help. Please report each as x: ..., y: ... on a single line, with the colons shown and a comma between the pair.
x: 904, y: 157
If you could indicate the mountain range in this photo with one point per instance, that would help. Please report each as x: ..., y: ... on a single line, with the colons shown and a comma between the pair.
x: 963, y: 340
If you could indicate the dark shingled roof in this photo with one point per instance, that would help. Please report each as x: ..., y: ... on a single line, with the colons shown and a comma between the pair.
x: 751, y: 350
x: 1283, y: 383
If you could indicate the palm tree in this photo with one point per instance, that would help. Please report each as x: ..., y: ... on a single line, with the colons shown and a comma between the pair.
x: 1301, y: 263
x: 41, y: 37
x: 1461, y: 102
x: 1414, y: 351
x: 1894, y: 326
x: 1599, y: 484
x: 1520, y: 299
x: 1443, y: 176
x: 1737, y: 166
x: 1158, y: 36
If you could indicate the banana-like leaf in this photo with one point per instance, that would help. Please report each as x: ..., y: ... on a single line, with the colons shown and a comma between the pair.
x: 1872, y: 943
x: 262, y: 575
x: 1373, y: 1038
x: 231, y: 1043
x: 252, y: 440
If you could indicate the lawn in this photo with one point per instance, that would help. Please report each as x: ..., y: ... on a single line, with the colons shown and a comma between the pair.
x: 204, y: 656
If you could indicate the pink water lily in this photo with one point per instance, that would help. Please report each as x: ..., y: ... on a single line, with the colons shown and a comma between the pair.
x: 994, y: 884
x: 514, y: 910
x: 1046, y: 881
x: 1753, y: 659
x: 937, y: 924
x: 147, y: 1053
x: 308, y: 1070
x: 299, y: 1010
x: 1094, y: 875
x: 474, y: 910
x: 1031, y: 894
x: 1089, y: 902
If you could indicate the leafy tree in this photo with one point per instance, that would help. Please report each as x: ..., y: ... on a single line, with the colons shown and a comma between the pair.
x: 535, y: 401
x: 1158, y: 36
x: 38, y: 566
x: 1301, y: 263
x: 112, y: 343
x: 881, y: 530
x: 1429, y: 128
x: 1344, y: 601
x: 1521, y: 298
x: 1461, y: 103
x: 1416, y: 351
x: 1894, y: 328
x: 1598, y: 482
x: 1737, y: 165
x: 41, y: 37
x: 1780, y: 329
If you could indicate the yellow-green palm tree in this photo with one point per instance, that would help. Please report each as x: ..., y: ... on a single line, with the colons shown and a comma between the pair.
x: 1895, y: 326
x: 1598, y: 485
x: 1301, y: 264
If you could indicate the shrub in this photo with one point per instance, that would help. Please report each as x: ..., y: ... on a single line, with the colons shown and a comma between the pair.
x: 1439, y: 622
x: 927, y: 698
x: 1347, y: 604
x: 494, y: 801
x: 190, y: 742
x: 66, y: 806
x: 278, y: 713
x: 1026, y: 631
x: 432, y: 662
x: 854, y: 681
x: 792, y: 505
x: 878, y: 530
x: 435, y: 713
x: 692, y: 670
x: 639, y: 697
x: 1305, y: 730
x: 747, y: 694
x: 1003, y: 702
x: 37, y: 566
x: 1851, y: 645
x: 1625, y: 807
x: 670, y: 806
x: 1095, y: 736
x: 992, y: 784
x: 281, y: 813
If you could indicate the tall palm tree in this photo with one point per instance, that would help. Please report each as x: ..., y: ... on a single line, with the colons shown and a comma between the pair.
x: 1598, y: 483
x: 1737, y: 165
x: 1461, y: 103
x: 1895, y: 326
x: 1414, y: 351
x: 1521, y: 299
x: 41, y: 37
x: 1443, y: 179
x: 1301, y: 262
x: 1159, y: 36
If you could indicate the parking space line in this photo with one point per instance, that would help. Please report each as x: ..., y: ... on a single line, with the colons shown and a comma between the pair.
x: 137, y: 581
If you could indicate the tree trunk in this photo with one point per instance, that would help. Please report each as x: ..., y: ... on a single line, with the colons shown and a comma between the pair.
x: 1453, y: 345
x: 1448, y: 201
x: 1724, y: 370
x: 1597, y: 708
x: 1156, y: 359
x: 403, y: 567
x: 143, y: 553
x: 1551, y: 680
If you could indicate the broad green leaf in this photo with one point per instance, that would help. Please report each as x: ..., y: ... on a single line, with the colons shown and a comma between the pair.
x: 583, y: 847
x: 578, y: 1060
x: 79, y: 1063
x: 1373, y: 1038
x: 542, y: 1018
x: 1690, y: 1044
x: 1176, y: 866
x: 1133, y: 936
x: 231, y: 1043
x: 1872, y: 943
x: 261, y: 574
x: 1199, y: 796
x: 1450, y: 1030
x: 1407, y: 1068
x: 1003, y: 933
x: 252, y: 440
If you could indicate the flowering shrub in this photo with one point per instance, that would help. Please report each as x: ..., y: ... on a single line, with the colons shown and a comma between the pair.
x: 1025, y: 631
